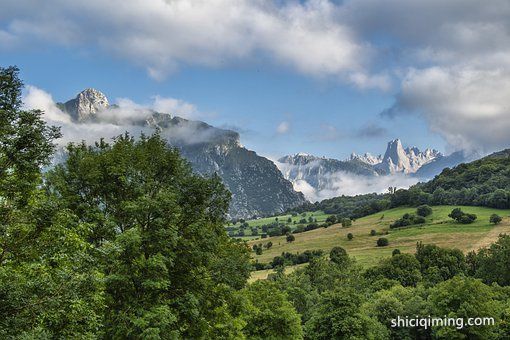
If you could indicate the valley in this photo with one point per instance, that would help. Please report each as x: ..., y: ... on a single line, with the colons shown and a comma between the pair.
x: 439, y: 229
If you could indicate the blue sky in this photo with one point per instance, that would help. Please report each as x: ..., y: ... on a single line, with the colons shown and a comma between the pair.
x: 310, y: 76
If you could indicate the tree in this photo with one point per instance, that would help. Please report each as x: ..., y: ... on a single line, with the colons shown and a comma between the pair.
x: 331, y: 219
x: 382, y: 242
x: 290, y: 238
x: 424, y: 210
x: 338, y: 255
x: 350, y: 236
x: 439, y: 264
x: 495, y: 218
x: 395, y: 252
x: 492, y: 264
x: 463, y: 297
x: 456, y: 214
x: 156, y: 225
x: 270, y: 314
x: 373, y: 232
x: 346, y: 222
x: 338, y: 315
x: 403, y: 268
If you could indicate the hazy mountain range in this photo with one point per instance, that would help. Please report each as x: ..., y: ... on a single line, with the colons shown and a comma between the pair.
x: 319, y: 177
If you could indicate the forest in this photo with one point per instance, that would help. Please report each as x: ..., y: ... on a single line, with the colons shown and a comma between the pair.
x: 123, y: 241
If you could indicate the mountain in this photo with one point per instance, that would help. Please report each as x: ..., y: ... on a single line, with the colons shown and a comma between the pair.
x: 313, y: 175
x: 409, y: 160
x: 257, y: 186
x: 367, y: 158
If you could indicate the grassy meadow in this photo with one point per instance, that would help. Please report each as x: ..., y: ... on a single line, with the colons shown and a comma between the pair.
x: 439, y: 229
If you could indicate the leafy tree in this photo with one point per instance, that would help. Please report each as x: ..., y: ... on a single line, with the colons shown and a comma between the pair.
x: 403, y: 268
x: 493, y: 263
x: 339, y: 256
x: 495, y: 218
x: 382, y: 242
x: 270, y: 315
x: 424, y: 210
x: 331, y: 219
x: 395, y: 252
x: 439, y: 264
x: 350, y: 236
x: 160, y: 228
x: 346, y: 222
x: 373, y: 232
x: 338, y: 315
x: 463, y: 297
x: 290, y: 238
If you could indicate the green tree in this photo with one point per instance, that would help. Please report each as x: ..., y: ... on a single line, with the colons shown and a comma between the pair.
x: 382, y: 242
x: 495, y: 218
x: 270, y: 315
x: 339, y: 256
x: 424, y: 210
x: 464, y: 297
x: 350, y: 236
x: 160, y: 230
x: 290, y: 238
x: 338, y: 315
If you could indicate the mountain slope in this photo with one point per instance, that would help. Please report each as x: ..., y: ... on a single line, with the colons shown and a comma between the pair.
x: 257, y: 187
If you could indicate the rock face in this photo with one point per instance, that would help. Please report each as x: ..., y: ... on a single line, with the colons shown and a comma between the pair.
x: 399, y: 160
x: 257, y: 186
x: 366, y: 158
x: 86, y: 105
x: 319, y: 173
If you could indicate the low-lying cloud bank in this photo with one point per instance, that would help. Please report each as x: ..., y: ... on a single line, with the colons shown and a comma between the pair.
x: 125, y: 116
x: 343, y: 183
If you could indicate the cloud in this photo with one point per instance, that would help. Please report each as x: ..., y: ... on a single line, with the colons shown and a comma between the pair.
x: 371, y: 130
x: 283, y: 128
x: 163, y: 35
x: 125, y: 116
x: 469, y: 107
x: 343, y: 183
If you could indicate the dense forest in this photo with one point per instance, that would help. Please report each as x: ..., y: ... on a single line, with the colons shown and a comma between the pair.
x: 124, y: 241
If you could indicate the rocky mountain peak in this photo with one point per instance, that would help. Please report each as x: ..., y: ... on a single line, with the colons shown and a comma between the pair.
x: 86, y: 105
x: 409, y: 160
x: 367, y: 158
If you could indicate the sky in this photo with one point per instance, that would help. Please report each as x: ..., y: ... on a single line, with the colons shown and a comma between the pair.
x: 323, y: 77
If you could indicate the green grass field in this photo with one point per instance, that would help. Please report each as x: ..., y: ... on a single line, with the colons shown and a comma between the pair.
x: 282, y: 219
x: 439, y: 229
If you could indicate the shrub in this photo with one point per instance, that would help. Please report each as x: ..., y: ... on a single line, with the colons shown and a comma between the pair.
x: 338, y: 255
x: 382, y: 242
x: 346, y: 222
x: 424, y: 210
x: 350, y: 236
x: 458, y: 215
x: 373, y: 232
x: 331, y: 219
x: 495, y: 218
x: 395, y: 252
x: 291, y: 238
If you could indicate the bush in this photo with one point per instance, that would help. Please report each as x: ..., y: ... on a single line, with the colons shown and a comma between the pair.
x: 331, y: 219
x: 373, y: 232
x: 382, y: 242
x: 495, y: 218
x: 424, y: 210
x: 458, y: 215
x: 346, y: 222
x: 406, y: 220
x: 291, y: 238
x: 338, y: 255
x: 395, y: 252
x: 350, y: 236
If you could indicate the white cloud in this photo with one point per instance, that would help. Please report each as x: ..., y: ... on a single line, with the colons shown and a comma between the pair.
x: 283, y: 128
x: 126, y: 116
x: 162, y: 35
x: 469, y: 107
x: 343, y: 183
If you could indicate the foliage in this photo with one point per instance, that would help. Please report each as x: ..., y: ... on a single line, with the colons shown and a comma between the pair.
x: 458, y: 215
x: 424, y: 210
x: 495, y: 218
x: 382, y: 242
